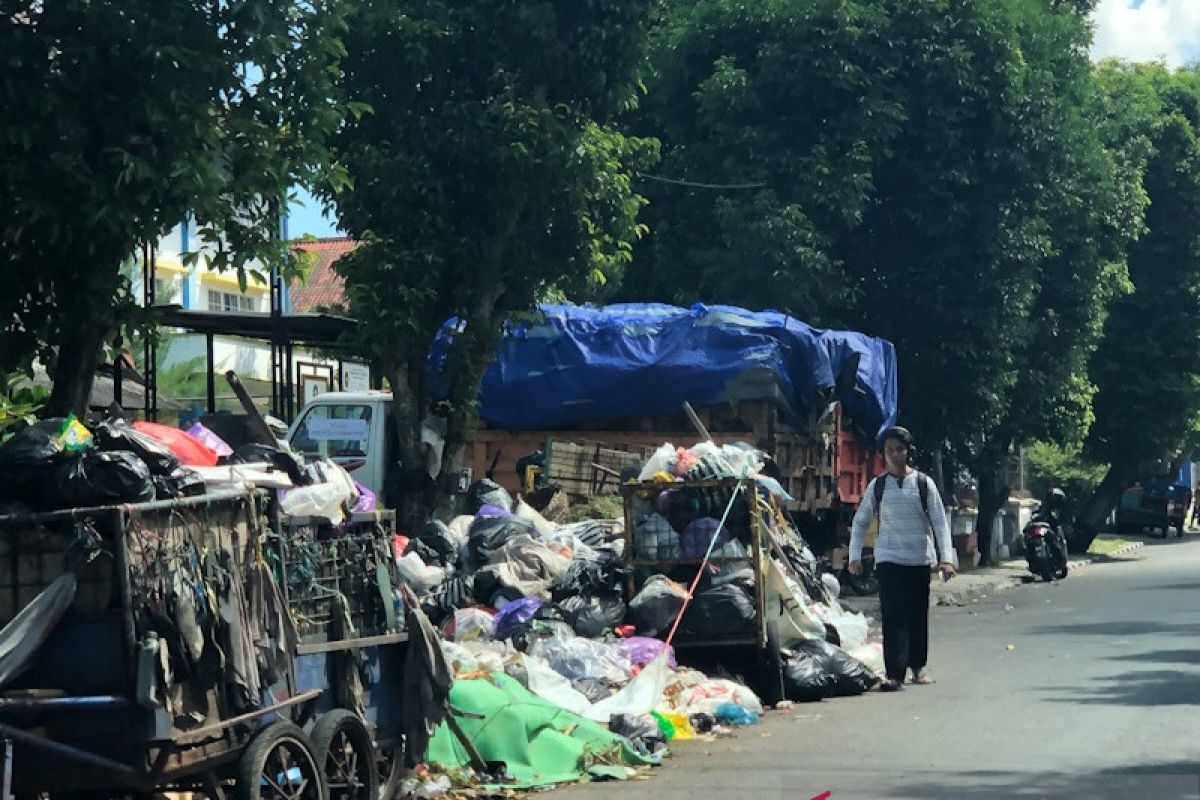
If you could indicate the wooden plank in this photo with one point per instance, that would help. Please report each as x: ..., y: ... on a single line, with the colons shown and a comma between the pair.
x: 351, y: 644
x: 219, y: 727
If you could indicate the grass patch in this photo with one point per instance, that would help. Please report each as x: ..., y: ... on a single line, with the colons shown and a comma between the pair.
x: 600, y: 507
x: 1106, y: 546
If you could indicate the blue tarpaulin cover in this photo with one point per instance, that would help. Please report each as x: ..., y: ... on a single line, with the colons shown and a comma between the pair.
x: 571, y: 366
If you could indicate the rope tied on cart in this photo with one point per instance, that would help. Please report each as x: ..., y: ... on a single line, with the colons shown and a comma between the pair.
x: 712, y: 543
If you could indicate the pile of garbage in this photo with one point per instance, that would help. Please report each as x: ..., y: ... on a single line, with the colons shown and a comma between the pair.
x: 544, y: 611
x: 60, y: 463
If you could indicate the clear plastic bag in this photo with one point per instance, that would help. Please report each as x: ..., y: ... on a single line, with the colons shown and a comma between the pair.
x: 474, y: 624
x: 576, y: 658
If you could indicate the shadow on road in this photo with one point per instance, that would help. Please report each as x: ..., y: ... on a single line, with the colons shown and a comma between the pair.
x: 1149, y: 688
x: 1116, y: 628
x: 1166, y: 656
x: 1160, y: 781
x: 1166, y: 587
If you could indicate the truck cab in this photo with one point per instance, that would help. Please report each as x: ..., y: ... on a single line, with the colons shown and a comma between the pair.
x: 353, y: 429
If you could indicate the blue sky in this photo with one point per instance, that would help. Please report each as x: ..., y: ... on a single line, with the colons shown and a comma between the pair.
x: 1137, y: 30
x: 306, y: 216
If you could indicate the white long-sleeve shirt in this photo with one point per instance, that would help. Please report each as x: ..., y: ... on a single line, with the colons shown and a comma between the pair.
x: 903, y: 527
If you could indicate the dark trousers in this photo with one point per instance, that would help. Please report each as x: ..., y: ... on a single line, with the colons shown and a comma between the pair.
x: 904, y: 606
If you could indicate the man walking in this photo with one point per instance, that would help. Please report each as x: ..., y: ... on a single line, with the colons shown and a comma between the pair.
x: 913, y: 535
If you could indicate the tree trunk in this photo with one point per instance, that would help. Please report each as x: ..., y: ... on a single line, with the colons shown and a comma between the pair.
x: 75, y: 368
x: 86, y: 319
x: 1101, y: 504
x: 993, y: 494
x: 478, y: 343
x: 408, y: 479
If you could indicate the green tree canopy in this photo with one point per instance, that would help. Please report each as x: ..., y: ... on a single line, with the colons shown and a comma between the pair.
x: 1147, y: 368
x: 122, y: 116
x: 486, y: 172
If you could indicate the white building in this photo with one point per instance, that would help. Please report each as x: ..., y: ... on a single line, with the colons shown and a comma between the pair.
x: 182, y: 356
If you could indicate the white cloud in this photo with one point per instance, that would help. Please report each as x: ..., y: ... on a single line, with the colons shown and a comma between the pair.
x: 1148, y: 31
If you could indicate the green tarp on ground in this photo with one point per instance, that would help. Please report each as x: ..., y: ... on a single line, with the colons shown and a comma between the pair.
x: 540, y: 743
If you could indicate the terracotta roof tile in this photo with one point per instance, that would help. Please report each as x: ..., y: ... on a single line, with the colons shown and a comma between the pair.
x: 323, y: 288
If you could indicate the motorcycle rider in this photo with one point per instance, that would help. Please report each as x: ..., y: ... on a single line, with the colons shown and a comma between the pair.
x: 1050, y: 511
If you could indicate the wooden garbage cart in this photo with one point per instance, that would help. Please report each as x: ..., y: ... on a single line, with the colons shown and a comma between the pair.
x: 169, y: 652
x: 755, y: 645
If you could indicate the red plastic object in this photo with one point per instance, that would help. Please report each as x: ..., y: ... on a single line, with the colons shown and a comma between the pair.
x: 399, y: 545
x: 624, y: 631
x: 187, y: 448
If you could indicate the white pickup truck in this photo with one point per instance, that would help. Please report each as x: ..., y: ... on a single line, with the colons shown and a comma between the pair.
x: 352, y: 428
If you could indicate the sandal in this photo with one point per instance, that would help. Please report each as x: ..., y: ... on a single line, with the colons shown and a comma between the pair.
x: 921, y: 679
x: 890, y: 685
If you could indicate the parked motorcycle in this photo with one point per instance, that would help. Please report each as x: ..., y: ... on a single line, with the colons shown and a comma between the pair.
x: 1045, y: 542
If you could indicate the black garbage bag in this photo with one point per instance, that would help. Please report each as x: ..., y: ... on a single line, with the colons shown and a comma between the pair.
x: 817, y: 669
x: 438, y: 540
x: 28, y: 461
x: 487, y: 535
x: 426, y: 553
x: 101, y: 479
x: 115, y: 435
x: 655, y: 607
x: 722, y: 611
x: 604, y: 577
x: 805, y: 679
x: 593, y: 690
x: 488, y: 493
x: 641, y: 731
x: 255, y: 453
x: 847, y: 675
x: 591, y: 615
x: 182, y: 482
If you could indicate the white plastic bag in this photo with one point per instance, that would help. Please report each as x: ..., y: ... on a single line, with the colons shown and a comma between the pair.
x: 640, y: 696
x: 788, y: 605
x: 323, y: 500
x: 417, y: 574
x: 460, y: 527
x: 707, y: 697
x: 543, y: 526
x: 870, y: 654
x: 852, y: 628
x: 662, y: 460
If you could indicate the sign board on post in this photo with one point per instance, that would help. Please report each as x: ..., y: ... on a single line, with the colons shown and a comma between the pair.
x: 355, y: 377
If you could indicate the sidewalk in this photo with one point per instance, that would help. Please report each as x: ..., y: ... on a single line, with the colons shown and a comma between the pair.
x: 976, y: 584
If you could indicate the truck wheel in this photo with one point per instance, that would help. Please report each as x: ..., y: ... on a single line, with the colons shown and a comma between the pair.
x: 343, y: 747
x: 279, y: 764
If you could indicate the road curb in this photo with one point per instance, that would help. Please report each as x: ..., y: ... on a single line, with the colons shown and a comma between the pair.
x: 1124, y: 550
x: 962, y: 597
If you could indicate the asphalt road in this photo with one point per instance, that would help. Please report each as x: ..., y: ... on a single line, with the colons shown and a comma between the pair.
x: 1097, y: 698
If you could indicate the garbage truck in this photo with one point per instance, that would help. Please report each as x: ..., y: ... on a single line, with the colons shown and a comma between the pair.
x: 575, y: 384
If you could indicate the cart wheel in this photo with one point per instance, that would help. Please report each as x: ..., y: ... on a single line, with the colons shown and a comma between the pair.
x: 344, y: 749
x: 279, y: 764
x: 770, y: 684
x: 389, y: 762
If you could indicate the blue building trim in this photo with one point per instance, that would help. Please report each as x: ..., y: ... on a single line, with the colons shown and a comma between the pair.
x: 183, y: 248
